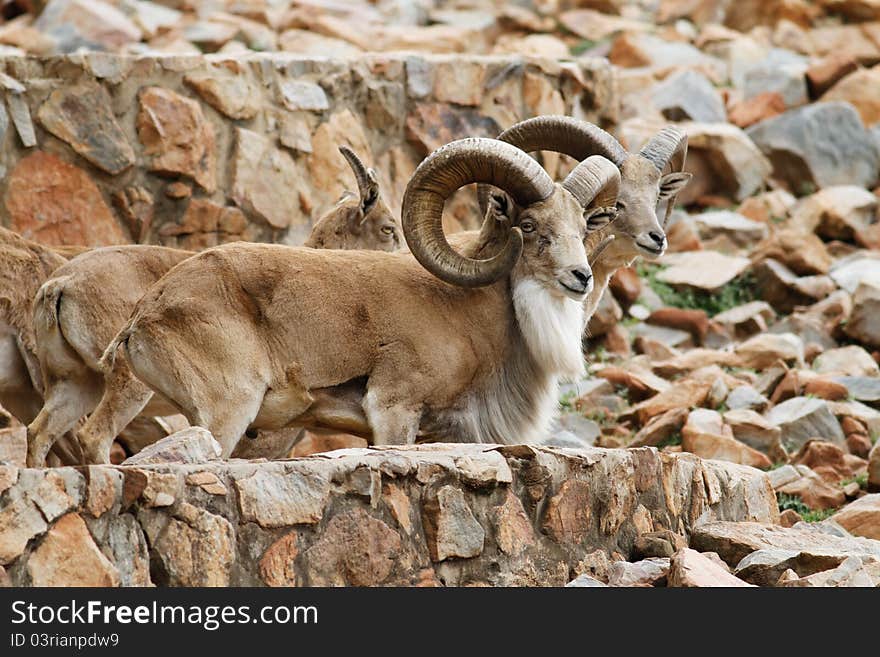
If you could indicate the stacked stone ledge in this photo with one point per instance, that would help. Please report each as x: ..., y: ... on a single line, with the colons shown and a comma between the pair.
x: 452, y: 515
x: 193, y: 151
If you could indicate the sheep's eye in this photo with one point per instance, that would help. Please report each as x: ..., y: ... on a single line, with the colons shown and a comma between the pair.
x: 387, y: 230
x: 527, y: 226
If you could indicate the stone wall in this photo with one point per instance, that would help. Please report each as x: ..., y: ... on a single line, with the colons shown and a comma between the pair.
x: 193, y: 151
x: 430, y: 515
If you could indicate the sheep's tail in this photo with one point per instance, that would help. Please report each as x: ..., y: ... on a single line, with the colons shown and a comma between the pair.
x: 47, y: 306
x: 108, y: 358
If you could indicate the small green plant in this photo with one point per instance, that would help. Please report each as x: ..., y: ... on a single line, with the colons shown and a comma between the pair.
x: 566, y: 401
x: 776, y: 466
x: 795, y: 503
x: 582, y: 46
x: 672, y: 439
x: 805, y: 188
x: 735, y: 293
x: 861, y: 480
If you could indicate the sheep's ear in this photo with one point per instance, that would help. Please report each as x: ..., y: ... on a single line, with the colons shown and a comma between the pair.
x: 672, y: 183
x: 371, y: 195
x: 598, y: 218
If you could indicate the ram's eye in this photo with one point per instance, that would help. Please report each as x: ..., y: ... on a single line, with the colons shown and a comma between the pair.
x: 387, y: 230
x: 527, y: 226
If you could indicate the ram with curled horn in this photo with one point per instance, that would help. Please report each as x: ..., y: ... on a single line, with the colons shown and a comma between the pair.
x: 395, y: 347
x: 653, y: 175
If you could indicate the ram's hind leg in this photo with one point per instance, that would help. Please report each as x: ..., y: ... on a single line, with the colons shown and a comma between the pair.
x: 393, y: 421
x: 124, y: 397
x: 66, y: 402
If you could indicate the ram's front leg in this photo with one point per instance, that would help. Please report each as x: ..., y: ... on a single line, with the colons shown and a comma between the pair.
x: 392, y: 422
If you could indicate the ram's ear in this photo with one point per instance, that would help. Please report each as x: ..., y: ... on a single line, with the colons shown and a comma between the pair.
x: 370, y: 195
x: 672, y: 183
x: 598, y: 218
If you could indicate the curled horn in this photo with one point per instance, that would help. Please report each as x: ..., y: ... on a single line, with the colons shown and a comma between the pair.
x: 560, y: 134
x: 668, y: 148
x: 595, y: 181
x: 462, y: 162
x: 366, y: 182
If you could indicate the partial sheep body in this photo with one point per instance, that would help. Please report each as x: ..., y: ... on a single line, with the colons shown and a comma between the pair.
x: 263, y: 336
x: 89, y: 300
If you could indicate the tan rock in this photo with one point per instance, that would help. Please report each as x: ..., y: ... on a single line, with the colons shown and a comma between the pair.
x: 13, y: 446
x: 874, y: 468
x: 259, y: 171
x: 645, y: 573
x: 660, y: 428
x: 81, y: 116
x: 355, y: 549
x: 862, y: 517
x: 824, y: 73
x: 764, y: 350
x: 703, y: 270
x: 688, y: 568
x: 68, y: 556
x: 684, y: 394
x: 803, y: 253
x: 757, y: 108
x: 177, y: 136
x: 229, y: 88
x: 81, y: 24
x: 513, y: 530
x: 278, y: 498
x: 450, y: 525
x: 724, y: 448
x: 277, y: 565
x: 53, y: 202
x: 861, y: 88
x: 828, y: 460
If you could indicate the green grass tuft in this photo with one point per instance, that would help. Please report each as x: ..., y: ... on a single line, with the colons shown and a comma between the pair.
x: 794, y: 502
x: 737, y: 292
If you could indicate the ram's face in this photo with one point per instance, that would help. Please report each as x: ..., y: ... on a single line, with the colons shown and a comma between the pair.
x: 639, y: 230
x: 553, y: 245
x: 380, y: 231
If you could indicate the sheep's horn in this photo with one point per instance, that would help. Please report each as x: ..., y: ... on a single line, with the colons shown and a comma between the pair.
x: 597, y: 252
x: 367, y: 185
x: 668, y: 148
x: 595, y: 181
x: 560, y: 134
x: 472, y: 160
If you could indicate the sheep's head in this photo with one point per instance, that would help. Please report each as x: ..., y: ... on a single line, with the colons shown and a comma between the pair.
x: 643, y: 184
x: 361, y: 221
x: 542, y: 239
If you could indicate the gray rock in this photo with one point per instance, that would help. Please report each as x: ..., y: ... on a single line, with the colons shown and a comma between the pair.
x: 850, y: 360
x: 853, y: 270
x: 585, y: 581
x: 864, y: 322
x: 669, y: 336
x: 805, y: 150
x: 755, y: 431
x: 739, y: 229
x: 303, y: 95
x: 191, y: 445
x: 861, y: 388
x: 803, y: 418
x: 746, y: 398
x: 648, y: 572
x: 786, y: 80
x: 784, y: 290
x: 688, y: 95
x: 747, y: 319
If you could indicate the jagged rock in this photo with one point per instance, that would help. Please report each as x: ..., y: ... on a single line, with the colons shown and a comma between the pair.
x: 13, y: 448
x: 803, y: 418
x: 864, y: 322
x: 648, y: 572
x: 191, y: 445
x: 632, y: 50
x: 735, y: 227
x: 687, y: 95
x: 259, y: 171
x: 851, y: 360
x: 746, y: 398
x: 852, y: 572
x: 608, y: 314
x: 660, y: 428
x: 724, y: 161
x: 859, y: 268
x: 755, y: 550
x: 585, y: 581
x: 53, y: 202
x: 228, y: 88
x: 704, y: 270
x: 874, y: 468
x: 76, y: 24
x: 860, y: 89
x: 804, y: 254
x: 704, y: 434
x: 176, y: 135
x: 68, y: 556
x: 861, y: 388
x: 862, y: 517
x: 785, y: 79
x: 765, y: 349
x: 755, y: 431
x: 747, y: 319
x: 80, y: 115
x: 688, y: 568
x: 783, y: 290
x: 803, y: 150
x: 839, y: 212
